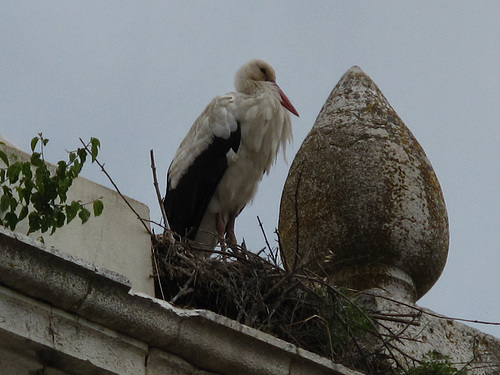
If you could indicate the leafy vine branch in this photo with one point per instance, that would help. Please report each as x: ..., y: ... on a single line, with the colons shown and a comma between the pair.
x: 35, y: 190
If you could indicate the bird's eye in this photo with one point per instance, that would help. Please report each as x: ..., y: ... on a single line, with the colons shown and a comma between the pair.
x: 264, y: 71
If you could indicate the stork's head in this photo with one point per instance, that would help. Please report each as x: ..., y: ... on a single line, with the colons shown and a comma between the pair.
x: 252, y: 72
x: 252, y: 76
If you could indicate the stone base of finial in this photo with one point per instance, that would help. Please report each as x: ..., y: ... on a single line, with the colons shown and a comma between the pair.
x: 394, y: 281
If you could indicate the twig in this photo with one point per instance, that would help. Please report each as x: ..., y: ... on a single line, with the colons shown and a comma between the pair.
x: 393, y: 319
x: 157, y: 189
x: 264, y: 233
x: 186, y: 289
x: 116, y: 188
x: 157, y: 272
x: 155, y: 223
x: 425, y: 312
x: 284, y: 261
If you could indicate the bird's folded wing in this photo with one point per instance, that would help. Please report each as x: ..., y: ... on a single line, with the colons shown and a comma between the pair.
x: 200, y: 164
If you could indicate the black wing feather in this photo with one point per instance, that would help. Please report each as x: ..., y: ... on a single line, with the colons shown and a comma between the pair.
x: 185, y: 205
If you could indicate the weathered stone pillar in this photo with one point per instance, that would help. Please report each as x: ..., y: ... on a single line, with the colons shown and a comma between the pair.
x: 364, y: 209
x: 361, y: 204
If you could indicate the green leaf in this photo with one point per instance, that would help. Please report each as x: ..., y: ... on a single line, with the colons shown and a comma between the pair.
x: 44, y: 225
x: 36, y: 159
x: 82, y: 154
x: 13, y: 172
x: 23, y: 213
x: 98, y: 207
x: 11, y: 220
x: 4, y: 158
x: 21, y: 193
x: 84, y: 215
x: 4, y: 202
x: 61, y: 169
x: 27, y: 191
x: 76, y: 168
x: 63, y: 187
x: 26, y: 169
x: 72, y: 211
x: 37, y: 201
x: 59, y: 217
x: 95, y: 144
x: 50, y: 191
x: 42, y: 178
x: 34, y: 142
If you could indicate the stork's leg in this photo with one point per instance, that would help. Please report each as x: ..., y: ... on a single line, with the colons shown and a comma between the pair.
x: 230, y: 236
x: 220, y: 226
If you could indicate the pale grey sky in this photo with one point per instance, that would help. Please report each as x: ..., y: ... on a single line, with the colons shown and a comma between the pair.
x: 136, y: 74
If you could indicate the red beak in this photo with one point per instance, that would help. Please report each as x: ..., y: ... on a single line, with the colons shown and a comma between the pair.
x: 286, y: 103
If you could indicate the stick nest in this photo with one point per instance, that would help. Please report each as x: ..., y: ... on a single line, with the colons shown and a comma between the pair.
x: 296, y: 306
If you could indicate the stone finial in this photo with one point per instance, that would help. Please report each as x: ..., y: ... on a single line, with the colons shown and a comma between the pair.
x: 361, y: 203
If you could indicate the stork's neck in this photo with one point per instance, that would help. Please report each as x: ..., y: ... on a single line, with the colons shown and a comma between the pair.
x: 249, y: 87
x: 255, y: 88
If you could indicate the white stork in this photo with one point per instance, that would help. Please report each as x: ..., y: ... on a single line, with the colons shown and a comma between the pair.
x: 216, y: 170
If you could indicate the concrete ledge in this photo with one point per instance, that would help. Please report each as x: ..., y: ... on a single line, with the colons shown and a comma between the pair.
x: 53, y: 337
x: 188, y: 339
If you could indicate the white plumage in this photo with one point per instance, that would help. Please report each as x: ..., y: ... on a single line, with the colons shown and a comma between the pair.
x: 217, y: 168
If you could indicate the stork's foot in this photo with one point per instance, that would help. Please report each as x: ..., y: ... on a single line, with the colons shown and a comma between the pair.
x: 227, y: 238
